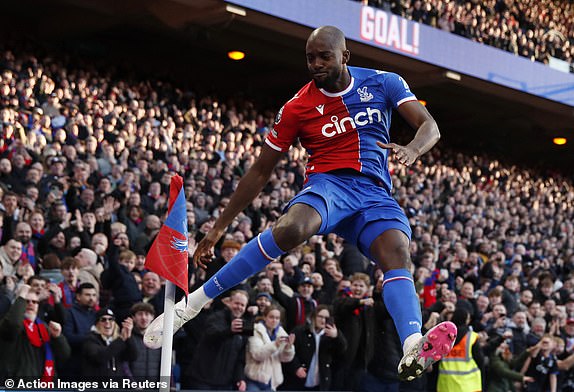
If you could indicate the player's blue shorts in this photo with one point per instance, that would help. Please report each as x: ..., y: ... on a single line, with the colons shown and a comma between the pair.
x: 352, y: 206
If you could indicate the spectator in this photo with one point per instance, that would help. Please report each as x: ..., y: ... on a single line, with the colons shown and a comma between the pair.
x: 10, y: 254
x: 23, y: 233
x: 275, y: 268
x: 30, y: 348
x: 50, y: 296
x: 263, y: 300
x: 520, y: 330
x: 7, y: 287
x: 355, y: 317
x: 542, y: 366
x: 70, y: 271
x: 502, y: 363
x: 90, y: 269
x: 266, y: 350
x: 152, y: 291
x: 219, y: 361
x: 300, y: 306
x: 119, y: 279
x: 79, y: 320
x: 51, y: 265
x: 228, y: 249
x: 318, y: 345
x: 107, y: 347
x: 530, y: 230
x: 146, y: 366
x: 461, y: 369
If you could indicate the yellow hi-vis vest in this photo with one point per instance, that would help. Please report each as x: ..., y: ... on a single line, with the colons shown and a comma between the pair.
x: 458, y: 371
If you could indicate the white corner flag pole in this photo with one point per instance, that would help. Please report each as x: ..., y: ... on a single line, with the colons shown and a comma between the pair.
x: 166, y: 348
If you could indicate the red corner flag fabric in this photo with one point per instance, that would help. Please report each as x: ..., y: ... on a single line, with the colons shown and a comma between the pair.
x: 168, y: 254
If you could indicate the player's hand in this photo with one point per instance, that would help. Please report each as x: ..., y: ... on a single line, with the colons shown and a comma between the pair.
x: 204, y: 252
x: 405, y: 155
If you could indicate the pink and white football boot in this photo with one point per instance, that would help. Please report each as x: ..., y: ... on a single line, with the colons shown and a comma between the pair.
x: 432, y: 347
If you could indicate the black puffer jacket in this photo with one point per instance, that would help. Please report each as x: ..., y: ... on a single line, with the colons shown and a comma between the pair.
x: 102, y: 361
x: 219, y: 359
x: 147, y: 364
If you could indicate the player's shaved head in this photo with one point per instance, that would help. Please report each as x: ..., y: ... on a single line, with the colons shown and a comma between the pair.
x: 330, y: 35
x: 327, y: 56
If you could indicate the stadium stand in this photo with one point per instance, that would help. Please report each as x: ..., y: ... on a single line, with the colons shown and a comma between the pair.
x: 87, y: 155
x: 536, y: 30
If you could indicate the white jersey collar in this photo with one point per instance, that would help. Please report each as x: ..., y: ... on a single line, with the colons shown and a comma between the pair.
x: 340, y: 93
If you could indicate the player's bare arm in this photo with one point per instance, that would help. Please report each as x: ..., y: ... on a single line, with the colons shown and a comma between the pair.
x: 426, y: 137
x: 248, y: 188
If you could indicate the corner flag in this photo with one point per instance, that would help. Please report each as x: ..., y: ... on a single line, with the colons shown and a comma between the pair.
x: 168, y: 255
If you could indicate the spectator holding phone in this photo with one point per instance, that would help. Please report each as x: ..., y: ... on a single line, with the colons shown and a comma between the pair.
x: 317, y: 345
x: 266, y: 349
x: 542, y: 366
x: 502, y: 368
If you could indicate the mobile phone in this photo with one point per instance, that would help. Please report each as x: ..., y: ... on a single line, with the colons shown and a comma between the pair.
x: 330, y: 321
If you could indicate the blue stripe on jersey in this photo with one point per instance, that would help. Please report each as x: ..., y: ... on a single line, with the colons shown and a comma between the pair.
x: 370, y: 104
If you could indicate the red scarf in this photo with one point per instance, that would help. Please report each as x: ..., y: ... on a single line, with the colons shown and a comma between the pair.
x: 38, y: 336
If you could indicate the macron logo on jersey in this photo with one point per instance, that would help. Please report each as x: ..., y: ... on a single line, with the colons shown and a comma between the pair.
x: 348, y: 123
x: 320, y: 108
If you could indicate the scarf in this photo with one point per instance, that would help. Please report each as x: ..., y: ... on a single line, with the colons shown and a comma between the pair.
x: 28, y: 255
x: 273, y: 334
x: 68, y: 294
x: 301, y: 316
x: 348, y: 293
x: 38, y: 337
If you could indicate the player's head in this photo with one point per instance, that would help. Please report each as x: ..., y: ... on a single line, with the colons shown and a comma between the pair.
x: 327, y: 56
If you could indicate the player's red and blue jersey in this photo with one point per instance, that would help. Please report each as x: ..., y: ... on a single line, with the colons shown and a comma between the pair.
x: 339, y: 131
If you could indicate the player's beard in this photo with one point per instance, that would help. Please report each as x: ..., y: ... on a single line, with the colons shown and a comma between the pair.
x: 329, y: 81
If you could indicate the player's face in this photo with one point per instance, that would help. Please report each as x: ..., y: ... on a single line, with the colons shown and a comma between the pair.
x: 325, y: 63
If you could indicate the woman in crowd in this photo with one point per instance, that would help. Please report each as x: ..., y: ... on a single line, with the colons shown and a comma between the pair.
x: 317, y: 345
x: 108, y: 348
x: 267, y: 348
x: 503, y: 365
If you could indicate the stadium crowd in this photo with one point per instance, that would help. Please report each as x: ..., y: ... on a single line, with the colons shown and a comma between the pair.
x: 85, y: 167
x: 532, y: 29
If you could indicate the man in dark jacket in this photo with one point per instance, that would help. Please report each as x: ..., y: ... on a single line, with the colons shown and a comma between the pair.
x: 147, y: 364
x: 355, y: 317
x: 119, y: 279
x: 79, y: 319
x: 219, y: 360
x: 30, y: 348
x: 298, y: 307
x: 382, y: 375
x: 317, y: 345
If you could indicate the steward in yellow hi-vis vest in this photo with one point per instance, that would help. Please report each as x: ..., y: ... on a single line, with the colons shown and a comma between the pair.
x: 458, y: 371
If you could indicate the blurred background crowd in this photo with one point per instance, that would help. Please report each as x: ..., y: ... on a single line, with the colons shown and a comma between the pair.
x: 86, y: 159
x: 535, y: 29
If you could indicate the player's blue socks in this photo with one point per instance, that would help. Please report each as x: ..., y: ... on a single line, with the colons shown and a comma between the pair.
x: 402, y: 302
x: 252, y: 258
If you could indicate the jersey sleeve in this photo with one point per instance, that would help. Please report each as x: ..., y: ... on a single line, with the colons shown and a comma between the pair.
x: 397, y: 90
x: 284, y: 130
